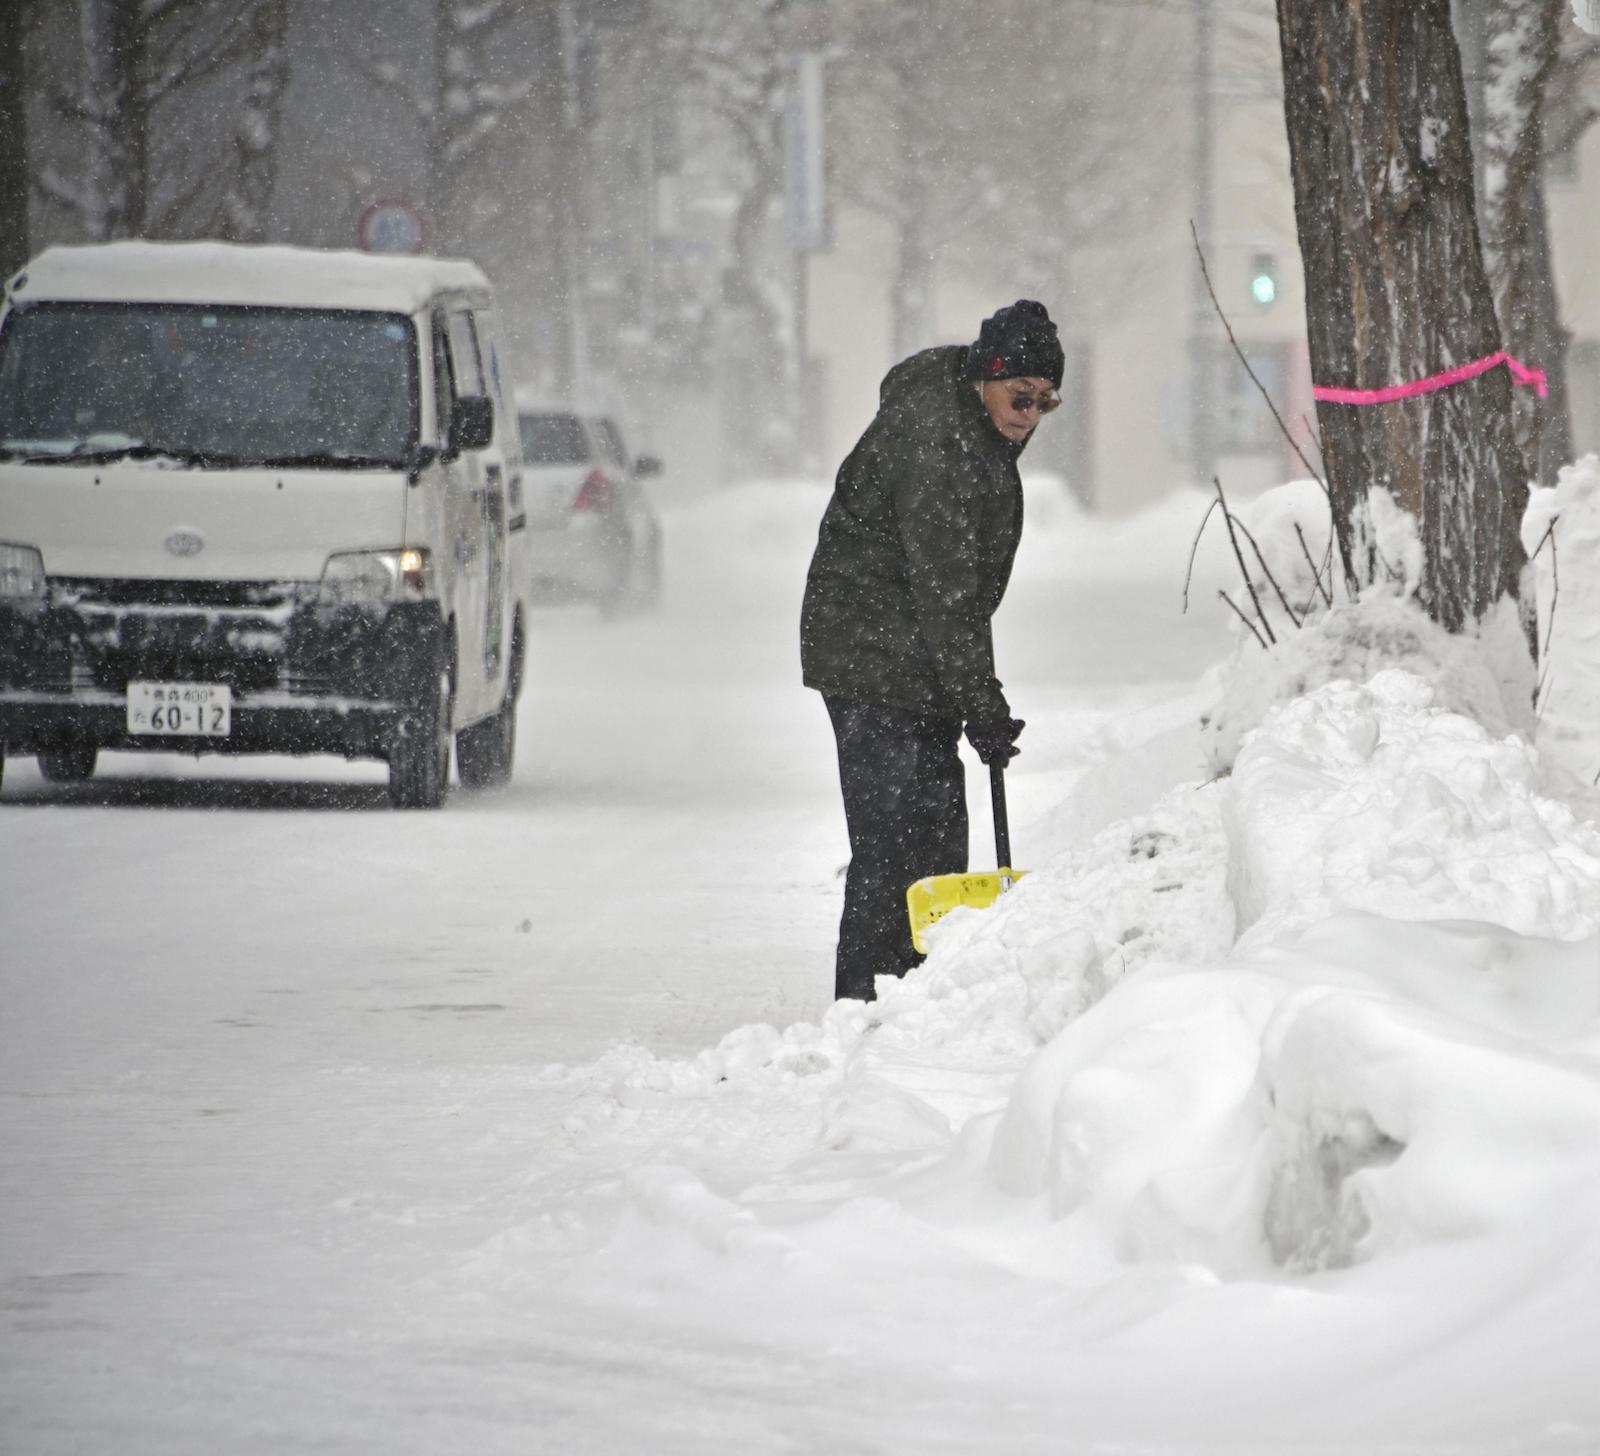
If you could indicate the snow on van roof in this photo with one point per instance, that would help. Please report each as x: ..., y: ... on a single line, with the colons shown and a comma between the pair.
x: 235, y: 273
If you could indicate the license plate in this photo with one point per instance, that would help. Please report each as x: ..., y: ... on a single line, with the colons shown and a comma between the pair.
x: 194, y: 710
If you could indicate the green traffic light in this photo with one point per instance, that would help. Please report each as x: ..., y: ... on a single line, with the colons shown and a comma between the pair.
x: 1264, y: 288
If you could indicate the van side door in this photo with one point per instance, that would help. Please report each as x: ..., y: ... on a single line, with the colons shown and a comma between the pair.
x: 488, y: 493
x: 464, y: 538
x: 508, y: 443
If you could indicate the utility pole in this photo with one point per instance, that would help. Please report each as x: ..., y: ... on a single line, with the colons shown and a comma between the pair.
x: 806, y: 226
x: 573, y: 161
x: 1202, y: 356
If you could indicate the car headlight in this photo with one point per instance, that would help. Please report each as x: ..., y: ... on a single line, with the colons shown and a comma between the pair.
x: 21, y: 573
x: 376, y: 578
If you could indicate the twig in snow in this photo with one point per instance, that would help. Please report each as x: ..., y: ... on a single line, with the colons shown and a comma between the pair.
x: 1549, y: 535
x: 1316, y: 571
x: 1555, y: 583
x: 1248, y: 623
x: 1238, y: 555
x: 1194, y: 549
x: 1267, y: 572
x: 1541, y: 693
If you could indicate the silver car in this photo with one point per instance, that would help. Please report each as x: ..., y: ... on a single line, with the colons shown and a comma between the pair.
x: 593, y: 532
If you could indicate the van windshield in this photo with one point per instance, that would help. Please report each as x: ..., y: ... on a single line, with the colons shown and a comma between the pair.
x: 226, y: 386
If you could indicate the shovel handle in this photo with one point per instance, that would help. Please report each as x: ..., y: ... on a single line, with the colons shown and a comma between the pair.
x: 1002, y: 824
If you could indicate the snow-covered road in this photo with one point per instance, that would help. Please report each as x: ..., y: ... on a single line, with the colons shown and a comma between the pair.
x: 272, y: 1056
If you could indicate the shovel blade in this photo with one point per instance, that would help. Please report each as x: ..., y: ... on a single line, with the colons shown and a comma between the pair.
x: 935, y: 897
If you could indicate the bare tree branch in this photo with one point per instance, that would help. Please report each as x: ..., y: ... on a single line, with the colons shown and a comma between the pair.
x: 1241, y: 616
x: 1316, y: 571
x: 1194, y: 548
x: 1238, y: 555
x: 1283, y: 429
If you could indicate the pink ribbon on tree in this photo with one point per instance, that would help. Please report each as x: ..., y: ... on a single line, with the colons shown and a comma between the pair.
x: 1520, y: 374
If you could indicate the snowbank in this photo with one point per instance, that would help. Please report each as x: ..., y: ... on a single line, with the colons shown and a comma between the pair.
x: 1375, y: 798
x: 1386, y: 1058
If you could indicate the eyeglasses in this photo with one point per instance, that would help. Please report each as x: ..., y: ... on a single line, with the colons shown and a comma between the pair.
x: 1044, y: 403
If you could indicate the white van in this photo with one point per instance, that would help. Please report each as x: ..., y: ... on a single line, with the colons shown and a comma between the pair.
x: 258, y: 500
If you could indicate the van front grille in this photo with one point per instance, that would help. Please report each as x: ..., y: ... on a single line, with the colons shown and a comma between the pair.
x: 113, y: 592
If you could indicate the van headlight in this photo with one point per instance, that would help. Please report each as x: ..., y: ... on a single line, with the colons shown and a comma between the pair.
x: 21, y: 573
x: 376, y: 578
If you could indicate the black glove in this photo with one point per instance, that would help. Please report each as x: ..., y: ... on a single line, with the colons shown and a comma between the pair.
x: 994, y: 739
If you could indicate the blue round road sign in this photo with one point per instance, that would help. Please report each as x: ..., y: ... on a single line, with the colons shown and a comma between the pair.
x: 392, y: 225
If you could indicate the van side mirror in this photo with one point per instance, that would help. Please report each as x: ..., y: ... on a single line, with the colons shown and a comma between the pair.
x: 647, y: 465
x: 471, y: 423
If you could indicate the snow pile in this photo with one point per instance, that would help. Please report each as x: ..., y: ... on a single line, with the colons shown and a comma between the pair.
x: 1350, y: 643
x: 1388, y: 1057
x: 1376, y: 799
x: 1330, y: 638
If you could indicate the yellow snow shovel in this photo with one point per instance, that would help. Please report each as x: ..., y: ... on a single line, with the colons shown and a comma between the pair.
x: 930, y: 899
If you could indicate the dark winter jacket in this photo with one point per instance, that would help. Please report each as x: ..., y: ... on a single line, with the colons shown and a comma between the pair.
x: 915, y: 550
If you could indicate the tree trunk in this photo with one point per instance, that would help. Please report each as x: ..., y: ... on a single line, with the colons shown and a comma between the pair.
x: 14, y: 177
x: 464, y: 107
x: 115, y: 108
x: 1522, y: 47
x: 242, y: 212
x: 1396, y: 291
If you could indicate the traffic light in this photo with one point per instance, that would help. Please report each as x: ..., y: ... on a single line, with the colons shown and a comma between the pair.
x: 1264, y: 279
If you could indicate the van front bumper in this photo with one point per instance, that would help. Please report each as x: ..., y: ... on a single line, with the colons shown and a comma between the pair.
x: 303, y: 677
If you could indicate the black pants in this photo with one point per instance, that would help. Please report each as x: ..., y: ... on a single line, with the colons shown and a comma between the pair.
x: 905, y: 804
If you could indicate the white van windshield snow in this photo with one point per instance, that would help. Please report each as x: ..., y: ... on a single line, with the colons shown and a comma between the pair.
x: 229, y: 386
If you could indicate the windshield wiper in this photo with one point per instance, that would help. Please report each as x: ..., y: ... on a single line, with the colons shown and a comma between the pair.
x: 330, y: 460
x: 87, y: 453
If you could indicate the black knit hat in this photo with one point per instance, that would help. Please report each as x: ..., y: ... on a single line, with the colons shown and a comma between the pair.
x: 1016, y: 342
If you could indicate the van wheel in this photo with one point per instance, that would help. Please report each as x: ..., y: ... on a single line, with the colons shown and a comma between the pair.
x: 70, y: 763
x: 484, y: 751
x: 419, y: 757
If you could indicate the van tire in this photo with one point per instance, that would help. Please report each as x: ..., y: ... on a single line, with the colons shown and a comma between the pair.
x: 69, y: 763
x: 484, y: 752
x: 419, y: 757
